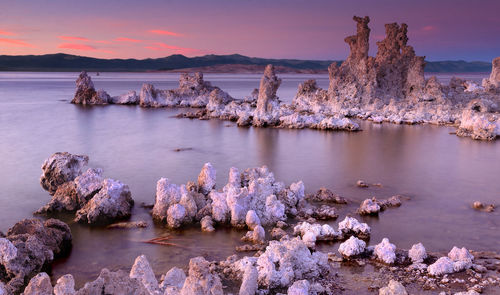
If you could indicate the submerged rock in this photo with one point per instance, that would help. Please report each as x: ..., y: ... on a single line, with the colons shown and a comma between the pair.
x: 326, y: 195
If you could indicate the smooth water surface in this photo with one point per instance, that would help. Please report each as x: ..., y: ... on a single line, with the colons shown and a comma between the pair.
x: 441, y: 173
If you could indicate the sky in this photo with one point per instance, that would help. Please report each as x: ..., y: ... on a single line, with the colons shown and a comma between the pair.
x: 301, y: 29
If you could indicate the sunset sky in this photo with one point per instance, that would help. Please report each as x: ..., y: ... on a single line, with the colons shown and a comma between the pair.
x: 303, y: 29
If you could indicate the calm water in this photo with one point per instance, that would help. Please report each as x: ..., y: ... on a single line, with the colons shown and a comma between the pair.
x: 443, y: 174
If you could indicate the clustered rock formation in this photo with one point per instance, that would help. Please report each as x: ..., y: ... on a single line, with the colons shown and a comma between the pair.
x: 193, y: 91
x: 96, y: 200
x: 251, y: 199
x: 391, y: 87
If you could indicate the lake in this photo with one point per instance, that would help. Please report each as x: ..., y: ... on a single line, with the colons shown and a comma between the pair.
x: 442, y: 174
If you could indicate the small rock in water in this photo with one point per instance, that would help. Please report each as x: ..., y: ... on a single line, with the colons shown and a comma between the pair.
x: 128, y: 225
x: 183, y: 149
x: 352, y: 247
x: 361, y: 183
x: 385, y: 251
x: 477, y: 205
x: 417, y: 253
x: 369, y: 207
x: 480, y: 206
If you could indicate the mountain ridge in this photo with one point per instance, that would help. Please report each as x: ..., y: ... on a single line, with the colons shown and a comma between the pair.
x: 68, y: 62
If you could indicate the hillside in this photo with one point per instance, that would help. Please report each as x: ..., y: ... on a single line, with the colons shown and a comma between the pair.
x: 213, y: 63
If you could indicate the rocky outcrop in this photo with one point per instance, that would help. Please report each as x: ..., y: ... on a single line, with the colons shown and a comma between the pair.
x: 267, y: 101
x: 352, y: 227
x: 193, y: 91
x: 39, y: 285
x: 112, y: 202
x: 417, y: 253
x: 60, y: 168
x: 311, y: 233
x: 130, y: 97
x: 86, y: 94
x: 352, y: 247
x: 201, y: 280
x: 457, y: 260
x: 284, y: 262
x: 30, y: 246
x: 95, y: 200
x: 492, y: 84
x: 478, y: 125
x: 385, y: 251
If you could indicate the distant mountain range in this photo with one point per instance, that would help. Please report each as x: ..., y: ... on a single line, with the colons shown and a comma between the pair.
x: 216, y: 63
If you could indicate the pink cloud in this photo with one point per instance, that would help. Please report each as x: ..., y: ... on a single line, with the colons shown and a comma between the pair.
x: 76, y: 46
x: 124, y: 39
x: 73, y: 38
x: 15, y: 42
x: 6, y: 33
x: 102, y: 41
x: 428, y: 28
x: 167, y: 33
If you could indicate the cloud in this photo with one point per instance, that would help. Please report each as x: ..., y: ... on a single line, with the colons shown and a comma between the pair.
x: 73, y: 38
x: 102, y: 41
x: 428, y: 28
x: 76, y: 47
x: 166, y: 33
x: 124, y: 39
x: 6, y: 33
x: 15, y: 42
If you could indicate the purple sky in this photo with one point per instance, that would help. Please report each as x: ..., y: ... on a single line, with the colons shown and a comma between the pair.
x: 303, y: 29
